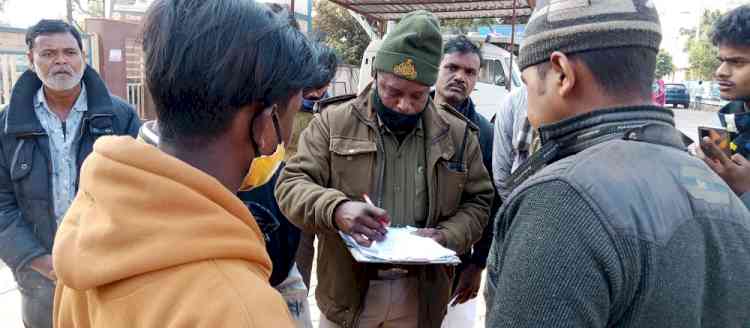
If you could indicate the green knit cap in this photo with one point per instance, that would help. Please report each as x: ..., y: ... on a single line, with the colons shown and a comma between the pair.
x: 414, y: 49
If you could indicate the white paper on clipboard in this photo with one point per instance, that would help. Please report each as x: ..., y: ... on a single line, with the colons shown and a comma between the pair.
x: 401, y: 246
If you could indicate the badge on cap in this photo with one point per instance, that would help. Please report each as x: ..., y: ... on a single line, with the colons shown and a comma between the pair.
x: 406, y: 70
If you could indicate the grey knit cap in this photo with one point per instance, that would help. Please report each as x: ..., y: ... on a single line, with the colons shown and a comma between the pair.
x: 572, y: 26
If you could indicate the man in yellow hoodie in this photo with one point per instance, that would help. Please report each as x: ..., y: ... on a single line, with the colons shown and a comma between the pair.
x: 156, y: 236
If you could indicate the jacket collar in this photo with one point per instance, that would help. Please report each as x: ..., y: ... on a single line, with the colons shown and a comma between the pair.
x: 734, y: 117
x: 625, y: 116
x: 467, y: 109
x: 576, y: 134
x: 734, y: 107
x: 435, y: 125
x: 21, y: 118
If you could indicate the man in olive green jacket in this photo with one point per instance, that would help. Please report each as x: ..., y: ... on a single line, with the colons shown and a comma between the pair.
x: 420, y: 165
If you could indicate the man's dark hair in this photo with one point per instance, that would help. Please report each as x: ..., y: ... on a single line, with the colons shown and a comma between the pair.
x: 326, y: 62
x: 462, y: 45
x: 632, y: 74
x: 51, y: 26
x: 733, y: 28
x: 204, y: 60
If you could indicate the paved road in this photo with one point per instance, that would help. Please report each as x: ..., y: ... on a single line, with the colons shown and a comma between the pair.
x: 688, y: 121
x: 10, y: 304
x: 10, y: 300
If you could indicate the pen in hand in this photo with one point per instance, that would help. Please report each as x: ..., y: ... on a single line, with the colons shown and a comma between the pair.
x: 383, y: 220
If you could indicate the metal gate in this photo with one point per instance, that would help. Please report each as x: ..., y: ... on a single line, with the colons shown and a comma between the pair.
x: 134, y: 75
x: 12, y: 65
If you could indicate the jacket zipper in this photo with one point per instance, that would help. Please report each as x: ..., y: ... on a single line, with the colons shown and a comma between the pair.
x: 379, y: 202
x: 381, y: 159
x: 379, y: 193
x: 79, y: 137
x: 381, y: 169
x: 51, y: 196
x: 432, y: 189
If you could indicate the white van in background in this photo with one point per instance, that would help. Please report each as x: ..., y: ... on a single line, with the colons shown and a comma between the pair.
x: 491, y: 86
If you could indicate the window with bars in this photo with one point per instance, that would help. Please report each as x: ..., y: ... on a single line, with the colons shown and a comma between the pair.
x: 134, y: 75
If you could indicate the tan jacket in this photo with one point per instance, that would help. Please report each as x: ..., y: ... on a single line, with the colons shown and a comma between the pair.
x: 338, y: 159
x: 151, y: 241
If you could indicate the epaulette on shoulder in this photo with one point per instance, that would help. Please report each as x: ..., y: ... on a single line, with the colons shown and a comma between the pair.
x: 328, y: 102
x: 450, y: 110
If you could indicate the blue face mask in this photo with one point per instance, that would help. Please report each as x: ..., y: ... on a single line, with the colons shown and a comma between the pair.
x: 308, y: 105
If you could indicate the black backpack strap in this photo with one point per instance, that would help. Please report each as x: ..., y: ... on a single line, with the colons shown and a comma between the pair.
x: 659, y: 134
x: 320, y: 106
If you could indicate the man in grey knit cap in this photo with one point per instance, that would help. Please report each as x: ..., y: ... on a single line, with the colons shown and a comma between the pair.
x: 613, y: 223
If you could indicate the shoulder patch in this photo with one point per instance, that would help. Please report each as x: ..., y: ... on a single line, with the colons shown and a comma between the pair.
x: 325, y: 103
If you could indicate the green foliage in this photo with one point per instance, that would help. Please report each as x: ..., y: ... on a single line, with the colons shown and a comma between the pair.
x: 96, y: 8
x: 463, y: 26
x: 702, y: 54
x: 703, y: 60
x: 664, y: 64
x: 340, y: 31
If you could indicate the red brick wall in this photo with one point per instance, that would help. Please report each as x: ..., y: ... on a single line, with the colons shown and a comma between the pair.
x: 112, y: 35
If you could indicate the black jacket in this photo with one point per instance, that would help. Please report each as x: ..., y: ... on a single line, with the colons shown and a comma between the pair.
x: 735, y: 112
x: 481, y: 249
x: 282, y: 237
x: 27, y: 220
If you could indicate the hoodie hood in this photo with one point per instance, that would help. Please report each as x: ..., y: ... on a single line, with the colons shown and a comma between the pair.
x: 139, y: 210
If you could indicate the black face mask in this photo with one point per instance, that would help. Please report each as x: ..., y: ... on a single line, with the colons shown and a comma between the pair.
x: 396, y: 122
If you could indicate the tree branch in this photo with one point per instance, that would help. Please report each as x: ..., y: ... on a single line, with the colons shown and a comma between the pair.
x: 84, y: 11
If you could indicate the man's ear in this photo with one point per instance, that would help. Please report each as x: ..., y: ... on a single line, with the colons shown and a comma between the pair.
x: 565, y: 73
x: 30, y: 57
x: 266, y: 139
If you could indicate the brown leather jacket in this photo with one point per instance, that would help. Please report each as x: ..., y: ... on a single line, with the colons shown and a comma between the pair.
x: 338, y: 159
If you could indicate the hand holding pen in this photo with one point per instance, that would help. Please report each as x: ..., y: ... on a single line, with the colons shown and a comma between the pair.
x: 385, y: 220
x: 365, y: 222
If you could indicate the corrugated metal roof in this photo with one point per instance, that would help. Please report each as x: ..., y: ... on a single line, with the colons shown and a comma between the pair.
x: 447, y: 9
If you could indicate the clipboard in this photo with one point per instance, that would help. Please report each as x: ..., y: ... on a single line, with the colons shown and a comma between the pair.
x: 430, y: 251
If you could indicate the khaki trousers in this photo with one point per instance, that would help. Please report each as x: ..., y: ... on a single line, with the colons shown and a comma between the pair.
x: 388, y: 304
